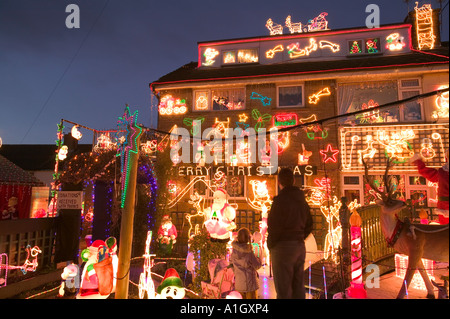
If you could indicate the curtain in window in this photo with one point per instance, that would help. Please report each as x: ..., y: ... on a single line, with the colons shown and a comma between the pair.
x: 359, y: 96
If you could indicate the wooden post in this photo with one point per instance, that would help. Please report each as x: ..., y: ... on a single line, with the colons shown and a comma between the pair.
x: 130, y: 154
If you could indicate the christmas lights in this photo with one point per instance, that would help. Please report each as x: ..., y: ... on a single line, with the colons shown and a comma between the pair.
x: 355, y: 47
x: 76, y: 133
x: 273, y: 27
x: 210, y: 54
x: 264, y: 99
x: 395, y: 42
x: 195, y: 124
x: 334, y: 235
x: 314, y: 98
x: 319, y: 23
x: 271, y: 53
x: 261, y: 199
x: 260, y: 119
x: 130, y: 146
x: 334, y: 47
x: 170, y: 105
x: 293, y: 27
x: 401, y: 265
x: 295, y: 51
x: 372, y: 46
x: 303, y: 158
x: 62, y: 154
x: 284, y: 120
x: 424, y: 26
x: 329, y: 155
x: 441, y: 103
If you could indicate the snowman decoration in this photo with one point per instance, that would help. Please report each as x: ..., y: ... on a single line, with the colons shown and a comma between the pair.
x: 171, y: 287
x: 219, y: 217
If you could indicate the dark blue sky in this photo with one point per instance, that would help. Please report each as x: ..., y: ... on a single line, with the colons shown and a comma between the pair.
x: 49, y: 72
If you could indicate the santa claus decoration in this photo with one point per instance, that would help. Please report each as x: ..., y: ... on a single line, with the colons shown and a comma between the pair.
x: 439, y: 176
x: 97, y: 279
x: 167, y: 235
x: 219, y: 217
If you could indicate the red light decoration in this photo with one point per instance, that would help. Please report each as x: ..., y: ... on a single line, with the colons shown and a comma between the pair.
x: 329, y: 155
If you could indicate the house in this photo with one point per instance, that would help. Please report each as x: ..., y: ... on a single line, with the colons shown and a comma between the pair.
x: 314, y: 76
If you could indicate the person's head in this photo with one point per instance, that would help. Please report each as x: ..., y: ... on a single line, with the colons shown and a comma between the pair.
x: 243, y: 236
x: 285, y: 177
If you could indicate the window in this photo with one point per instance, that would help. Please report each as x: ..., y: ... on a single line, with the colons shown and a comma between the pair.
x: 240, y: 56
x: 411, y: 111
x: 219, y: 99
x: 365, y: 96
x: 290, y: 96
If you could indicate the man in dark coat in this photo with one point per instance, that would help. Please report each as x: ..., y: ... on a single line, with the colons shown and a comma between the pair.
x: 289, y: 223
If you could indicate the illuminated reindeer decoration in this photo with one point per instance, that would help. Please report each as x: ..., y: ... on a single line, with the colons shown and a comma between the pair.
x: 416, y: 241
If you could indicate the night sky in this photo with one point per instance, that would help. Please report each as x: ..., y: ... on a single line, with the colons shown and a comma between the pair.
x: 87, y: 75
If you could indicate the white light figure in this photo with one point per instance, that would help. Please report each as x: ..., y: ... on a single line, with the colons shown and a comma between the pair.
x: 273, y: 27
x: 76, y: 134
x: 146, y: 284
x: 334, y: 235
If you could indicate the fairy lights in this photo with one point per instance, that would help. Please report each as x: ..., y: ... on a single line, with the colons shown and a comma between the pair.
x: 314, y: 98
x: 76, y: 134
x: 401, y: 265
x: 399, y: 142
x: 424, y: 26
x: 395, y: 42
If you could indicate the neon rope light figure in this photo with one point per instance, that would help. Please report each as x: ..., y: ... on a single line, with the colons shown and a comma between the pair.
x: 210, y: 55
x: 293, y: 27
x: 273, y: 27
x: 395, y: 42
x: 271, y: 53
x: 329, y: 155
x: 314, y: 98
x: 441, y: 103
x: 319, y: 23
x: 334, y: 235
x: 424, y: 26
x: 146, y: 284
x: 334, y: 47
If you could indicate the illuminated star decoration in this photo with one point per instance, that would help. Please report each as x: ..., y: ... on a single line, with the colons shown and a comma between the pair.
x: 329, y: 154
x: 133, y: 131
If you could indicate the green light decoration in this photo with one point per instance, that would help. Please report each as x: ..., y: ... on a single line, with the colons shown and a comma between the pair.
x: 195, y: 130
x: 260, y: 119
x: 133, y: 132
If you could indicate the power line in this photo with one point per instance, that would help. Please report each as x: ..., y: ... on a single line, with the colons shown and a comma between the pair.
x: 64, y: 73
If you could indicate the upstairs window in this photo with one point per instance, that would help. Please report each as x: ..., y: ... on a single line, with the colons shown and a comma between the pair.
x: 219, y: 99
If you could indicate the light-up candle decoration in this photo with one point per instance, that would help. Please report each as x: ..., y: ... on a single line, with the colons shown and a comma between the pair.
x: 356, y: 289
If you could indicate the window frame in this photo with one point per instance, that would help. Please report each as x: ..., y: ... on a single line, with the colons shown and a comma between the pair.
x: 302, y: 105
x: 210, y: 99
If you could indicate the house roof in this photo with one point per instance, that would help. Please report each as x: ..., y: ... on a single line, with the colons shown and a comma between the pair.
x: 35, y: 157
x: 12, y: 174
x: 191, y: 73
